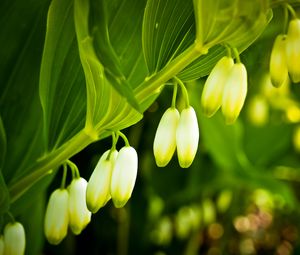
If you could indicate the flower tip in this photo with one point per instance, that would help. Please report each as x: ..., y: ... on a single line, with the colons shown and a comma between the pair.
x: 185, y: 163
x: 229, y: 120
x: 161, y: 162
x: 119, y: 203
x: 208, y: 112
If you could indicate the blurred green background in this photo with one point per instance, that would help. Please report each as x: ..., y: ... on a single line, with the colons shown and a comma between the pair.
x: 240, y: 196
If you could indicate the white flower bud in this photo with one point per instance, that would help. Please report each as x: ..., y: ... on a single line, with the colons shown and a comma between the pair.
x: 165, y: 138
x: 235, y: 92
x: 98, y: 188
x: 187, y: 137
x: 79, y: 215
x: 124, y: 176
x: 211, y: 99
x: 293, y: 49
x: 57, y: 217
x: 278, y: 65
x: 1, y: 245
x: 14, y: 239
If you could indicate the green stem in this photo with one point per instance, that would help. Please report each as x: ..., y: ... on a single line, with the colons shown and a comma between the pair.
x: 124, y: 138
x: 74, y: 168
x: 237, y: 55
x: 45, y: 165
x: 285, y: 19
x: 291, y: 10
x: 174, y: 96
x: 63, y: 181
x: 11, y: 217
x: 145, y: 89
x: 184, y: 91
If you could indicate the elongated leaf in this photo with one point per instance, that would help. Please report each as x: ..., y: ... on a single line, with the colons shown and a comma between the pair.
x: 106, y: 109
x: 113, y: 61
x: 168, y: 29
x: 62, y: 88
x: 19, y: 101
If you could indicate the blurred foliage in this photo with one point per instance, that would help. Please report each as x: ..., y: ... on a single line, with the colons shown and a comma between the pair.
x: 72, y: 71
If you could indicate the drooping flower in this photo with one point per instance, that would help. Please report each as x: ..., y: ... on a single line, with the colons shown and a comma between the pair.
x: 14, y: 239
x: 211, y: 99
x: 98, y: 188
x: 187, y: 137
x: 79, y: 215
x: 293, y: 50
x: 124, y: 176
x: 57, y: 216
x: 165, y: 138
x: 235, y: 92
x: 278, y: 64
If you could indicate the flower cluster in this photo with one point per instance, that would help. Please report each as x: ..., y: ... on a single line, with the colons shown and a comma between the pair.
x: 225, y: 87
x: 13, y: 241
x: 114, y: 177
x: 176, y: 130
x: 67, y: 207
x: 285, y: 55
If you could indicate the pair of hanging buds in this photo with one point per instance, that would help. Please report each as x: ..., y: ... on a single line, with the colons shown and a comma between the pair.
x: 285, y: 56
x: 177, y: 130
x: 67, y: 207
x: 13, y: 241
x: 113, y: 178
x: 225, y: 87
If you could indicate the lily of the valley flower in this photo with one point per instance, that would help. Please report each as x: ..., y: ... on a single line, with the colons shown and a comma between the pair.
x: 79, y: 215
x: 57, y: 217
x: 187, y: 137
x: 211, y: 99
x: 124, y: 176
x: 165, y: 138
x: 235, y: 92
x: 293, y: 50
x: 98, y: 188
x: 278, y: 63
x: 14, y: 239
x: 1, y: 245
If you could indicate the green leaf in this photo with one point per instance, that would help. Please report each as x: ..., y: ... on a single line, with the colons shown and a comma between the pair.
x: 106, y: 108
x: 19, y: 101
x: 62, y: 90
x: 118, y: 59
x: 168, y: 29
x: 232, y: 22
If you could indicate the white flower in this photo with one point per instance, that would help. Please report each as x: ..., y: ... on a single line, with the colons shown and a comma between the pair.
x: 278, y: 65
x: 293, y: 49
x: 98, y: 188
x: 187, y: 137
x: 57, y: 217
x: 235, y: 92
x: 79, y: 215
x: 124, y: 176
x: 14, y: 239
x: 165, y: 138
x: 211, y: 99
